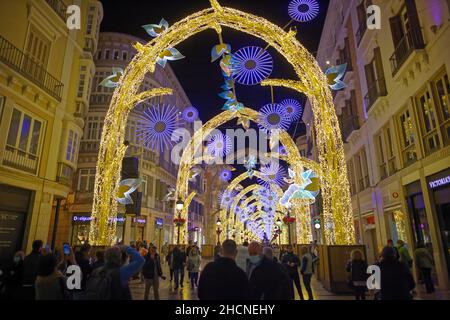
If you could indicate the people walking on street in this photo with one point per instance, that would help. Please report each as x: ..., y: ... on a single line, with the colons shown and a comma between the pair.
x: 151, y: 272
x: 396, y: 279
x: 50, y: 283
x: 357, y: 269
x: 267, y: 281
x: 292, y: 262
x: 30, y: 270
x: 178, y: 263
x: 222, y: 279
x: 164, y: 252
x: 169, y: 259
x: 307, y: 270
x: 242, y: 256
x: 424, y: 261
x: 193, y: 266
x: 110, y: 282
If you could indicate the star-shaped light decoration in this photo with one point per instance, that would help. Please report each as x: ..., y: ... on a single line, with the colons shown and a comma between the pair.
x: 335, y: 76
x: 219, y: 145
x: 219, y: 50
x: 170, y: 54
x: 126, y: 188
x: 112, y: 81
x: 155, y: 30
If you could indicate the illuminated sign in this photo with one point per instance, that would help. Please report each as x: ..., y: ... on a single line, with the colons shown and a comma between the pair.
x: 439, y: 182
x: 87, y: 219
x: 159, y: 223
x: 139, y: 220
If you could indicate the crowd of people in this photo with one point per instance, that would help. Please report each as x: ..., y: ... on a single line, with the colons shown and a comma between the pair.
x: 395, y: 263
x: 251, y: 271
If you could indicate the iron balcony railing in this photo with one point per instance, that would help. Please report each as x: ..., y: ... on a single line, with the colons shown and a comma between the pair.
x: 376, y: 89
x: 411, y: 41
x: 349, y: 125
x: 59, y: 7
x: 25, y: 65
x: 361, y: 31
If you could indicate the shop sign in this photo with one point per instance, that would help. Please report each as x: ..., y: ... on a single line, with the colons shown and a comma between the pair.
x: 439, y: 182
x: 87, y: 219
x: 159, y: 222
x: 371, y: 220
x: 139, y: 220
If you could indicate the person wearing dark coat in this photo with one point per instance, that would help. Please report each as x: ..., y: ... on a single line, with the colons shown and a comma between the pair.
x: 292, y: 262
x: 30, y: 270
x: 396, y: 279
x: 14, y: 277
x: 267, y: 280
x: 222, y: 279
x: 82, y: 259
x: 152, y: 271
x: 357, y: 267
x: 178, y: 263
x: 100, y: 262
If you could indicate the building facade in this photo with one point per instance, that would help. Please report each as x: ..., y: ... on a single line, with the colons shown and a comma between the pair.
x: 42, y: 63
x: 395, y: 121
x: 154, y: 222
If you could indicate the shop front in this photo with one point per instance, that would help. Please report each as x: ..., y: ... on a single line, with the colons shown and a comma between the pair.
x: 138, y: 226
x: 81, y: 225
x: 417, y: 213
x: 439, y: 189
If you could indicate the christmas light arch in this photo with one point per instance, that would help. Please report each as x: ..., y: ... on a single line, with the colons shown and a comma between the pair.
x: 337, y: 209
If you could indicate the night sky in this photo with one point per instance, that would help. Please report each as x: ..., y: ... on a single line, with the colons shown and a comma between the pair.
x: 200, y: 78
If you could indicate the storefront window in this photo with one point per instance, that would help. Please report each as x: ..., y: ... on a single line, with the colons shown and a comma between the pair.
x: 81, y: 226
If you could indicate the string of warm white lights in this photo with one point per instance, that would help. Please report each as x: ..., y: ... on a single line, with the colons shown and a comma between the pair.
x: 337, y: 209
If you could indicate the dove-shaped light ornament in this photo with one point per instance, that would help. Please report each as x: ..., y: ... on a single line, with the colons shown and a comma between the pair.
x: 155, y: 30
x: 335, y: 76
x: 308, y: 190
x: 219, y: 50
x: 170, y: 196
x: 170, y: 54
x: 126, y: 188
x: 112, y: 80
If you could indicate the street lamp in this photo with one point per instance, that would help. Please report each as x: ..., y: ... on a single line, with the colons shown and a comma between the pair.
x: 179, y: 205
x: 279, y: 222
x: 218, y: 231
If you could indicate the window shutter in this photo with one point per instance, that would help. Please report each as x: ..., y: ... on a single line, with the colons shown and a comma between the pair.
x: 380, y: 71
x: 396, y: 30
x: 416, y: 36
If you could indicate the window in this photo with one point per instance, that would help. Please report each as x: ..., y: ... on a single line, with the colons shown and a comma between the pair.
x: 86, y: 180
x: 72, y: 146
x: 144, y: 185
x: 365, y: 168
x: 362, y: 170
x: 124, y: 55
x: 381, y: 157
x: 385, y: 153
x: 81, y: 83
x: 441, y: 89
x: 390, y: 151
x: 408, y: 151
x: 90, y: 22
x: 37, y: 48
x: 150, y: 186
x: 106, y: 54
x: 428, y: 122
x: 376, y: 85
x: 99, y: 55
x: 24, y: 132
x: 116, y: 55
x: 351, y: 177
x: 94, y: 128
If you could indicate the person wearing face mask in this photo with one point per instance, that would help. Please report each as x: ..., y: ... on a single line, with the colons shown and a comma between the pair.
x: 267, y: 281
x: 292, y: 262
x: 222, y: 279
x: 13, y: 281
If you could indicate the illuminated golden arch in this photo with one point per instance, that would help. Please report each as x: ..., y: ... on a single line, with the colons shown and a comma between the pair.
x: 337, y: 210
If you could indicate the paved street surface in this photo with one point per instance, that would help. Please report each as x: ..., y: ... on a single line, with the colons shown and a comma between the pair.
x: 167, y: 292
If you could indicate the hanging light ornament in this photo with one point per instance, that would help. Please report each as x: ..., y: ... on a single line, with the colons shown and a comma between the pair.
x: 112, y: 80
x: 272, y: 117
x: 156, y: 126
x: 170, y: 54
x: 272, y: 173
x: 292, y: 108
x: 335, y: 76
x: 303, y: 10
x: 190, y: 114
x: 219, y: 145
x: 155, y: 30
x: 251, y: 65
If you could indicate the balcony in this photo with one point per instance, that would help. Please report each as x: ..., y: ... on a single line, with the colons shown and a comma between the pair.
x: 361, y: 32
x: 21, y: 160
x: 376, y: 89
x: 349, y: 125
x: 411, y: 41
x: 65, y: 174
x: 21, y: 63
x: 59, y: 7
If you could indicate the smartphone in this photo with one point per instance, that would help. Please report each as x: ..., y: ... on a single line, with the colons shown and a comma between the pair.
x: 66, y: 248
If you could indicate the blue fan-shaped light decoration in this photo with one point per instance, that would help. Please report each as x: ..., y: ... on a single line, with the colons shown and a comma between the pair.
x: 190, y: 114
x: 156, y: 126
x: 272, y: 117
x: 251, y: 65
x: 292, y: 109
x: 272, y: 173
x: 219, y: 145
x: 225, y: 175
x: 303, y: 10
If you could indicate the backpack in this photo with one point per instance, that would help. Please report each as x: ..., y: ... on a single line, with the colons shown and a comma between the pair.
x: 103, y: 284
